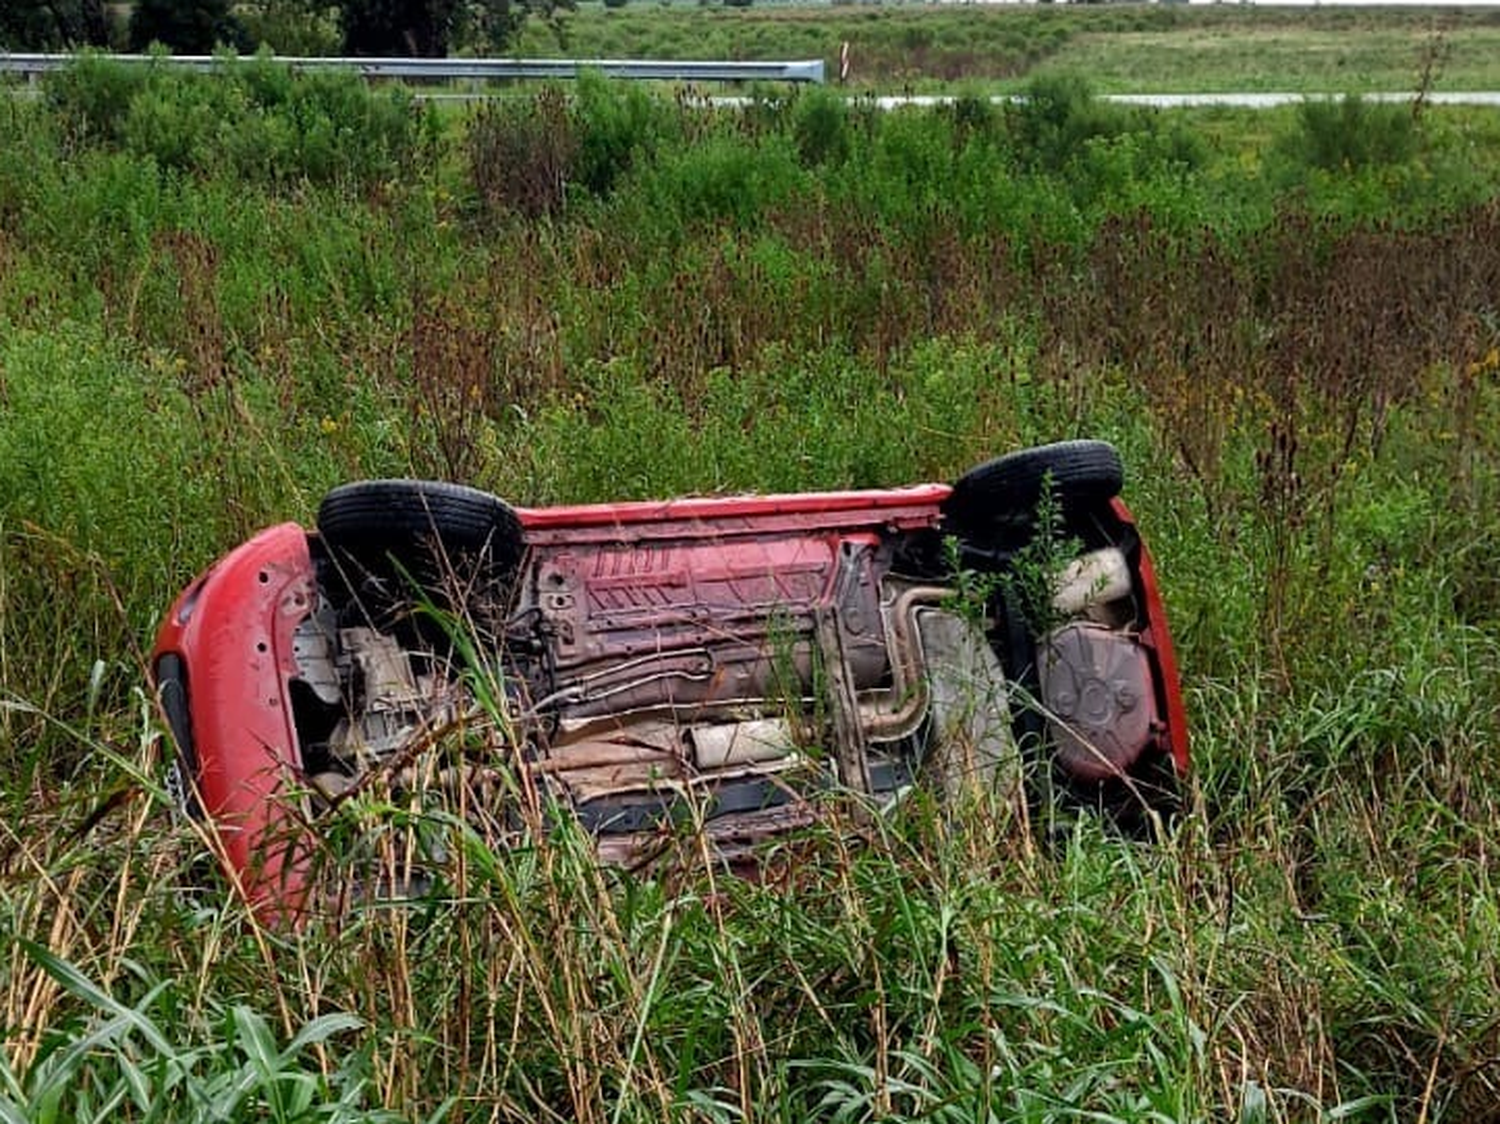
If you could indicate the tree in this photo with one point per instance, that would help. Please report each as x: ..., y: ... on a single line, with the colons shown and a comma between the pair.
x: 431, y: 28
x: 404, y: 28
x: 43, y: 25
x: 188, y: 27
x: 294, y: 27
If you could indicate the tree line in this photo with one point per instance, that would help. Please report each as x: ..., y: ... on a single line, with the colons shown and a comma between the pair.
x: 369, y: 28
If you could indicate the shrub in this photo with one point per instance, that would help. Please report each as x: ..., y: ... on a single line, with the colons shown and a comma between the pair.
x: 1056, y: 117
x: 254, y: 120
x: 1104, y: 153
x: 92, y: 97
x: 972, y: 116
x: 293, y: 27
x: 820, y: 122
x: 174, y: 119
x: 520, y: 156
x: 1349, y: 134
x: 912, y: 154
x: 615, y: 126
x: 345, y: 131
x: 1144, y: 168
x: 724, y: 177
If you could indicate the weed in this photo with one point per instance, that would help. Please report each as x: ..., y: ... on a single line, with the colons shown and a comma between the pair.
x: 521, y: 157
x: 821, y: 128
x: 1351, y: 133
x: 249, y: 121
x: 616, y: 126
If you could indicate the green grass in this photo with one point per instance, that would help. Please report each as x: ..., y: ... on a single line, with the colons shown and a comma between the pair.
x: 1286, y: 322
x: 1282, y: 57
x: 1123, y: 48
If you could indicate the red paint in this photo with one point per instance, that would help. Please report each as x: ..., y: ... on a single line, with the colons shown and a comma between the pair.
x: 233, y: 629
x: 1158, y: 638
x: 900, y: 507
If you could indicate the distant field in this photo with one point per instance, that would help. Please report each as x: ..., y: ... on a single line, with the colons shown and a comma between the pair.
x: 1279, y: 57
x: 1121, y: 48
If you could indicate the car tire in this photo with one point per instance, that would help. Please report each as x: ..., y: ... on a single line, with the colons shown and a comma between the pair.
x: 1006, y: 491
x: 420, y: 530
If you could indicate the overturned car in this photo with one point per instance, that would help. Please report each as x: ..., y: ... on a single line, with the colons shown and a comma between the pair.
x: 727, y: 662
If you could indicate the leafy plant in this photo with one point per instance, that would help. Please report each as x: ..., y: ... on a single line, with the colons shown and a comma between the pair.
x: 820, y: 125
x: 1349, y: 134
x: 616, y: 125
x: 251, y: 121
x: 122, y: 1060
x: 521, y: 157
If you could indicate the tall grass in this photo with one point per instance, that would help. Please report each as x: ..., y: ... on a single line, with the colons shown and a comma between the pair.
x: 1299, y: 358
x: 1134, y: 48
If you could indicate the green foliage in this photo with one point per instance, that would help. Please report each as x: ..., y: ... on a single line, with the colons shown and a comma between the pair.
x: 1032, y: 579
x: 1056, y: 117
x: 50, y: 25
x: 821, y: 126
x: 92, y: 97
x: 187, y: 27
x: 721, y: 177
x: 297, y: 28
x: 130, y: 1058
x: 1060, y: 128
x: 220, y: 297
x: 1350, y: 134
x: 615, y: 125
x: 251, y: 121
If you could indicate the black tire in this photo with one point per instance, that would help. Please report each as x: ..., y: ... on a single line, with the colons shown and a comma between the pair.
x: 1006, y: 491
x: 422, y: 527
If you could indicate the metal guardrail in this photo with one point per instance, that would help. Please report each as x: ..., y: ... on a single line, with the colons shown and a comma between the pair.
x: 32, y: 66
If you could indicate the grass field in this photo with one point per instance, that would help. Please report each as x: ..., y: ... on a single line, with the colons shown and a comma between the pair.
x: 1122, y: 48
x: 218, y: 298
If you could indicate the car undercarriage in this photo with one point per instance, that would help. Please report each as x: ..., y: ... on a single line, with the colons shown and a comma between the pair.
x: 720, y: 664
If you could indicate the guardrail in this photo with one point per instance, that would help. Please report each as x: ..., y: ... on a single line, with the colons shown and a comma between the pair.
x: 31, y: 66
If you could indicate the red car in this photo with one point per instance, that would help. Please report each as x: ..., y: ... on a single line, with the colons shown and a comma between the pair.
x: 730, y: 660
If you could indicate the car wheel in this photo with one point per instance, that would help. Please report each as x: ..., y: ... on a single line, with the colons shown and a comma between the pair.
x: 421, y: 532
x: 1006, y: 491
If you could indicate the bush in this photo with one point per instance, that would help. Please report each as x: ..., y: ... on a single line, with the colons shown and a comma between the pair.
x: 92, y: 97
x: 1056, y: 117
x: 294, y: 27
x: 724, y: 177
x: 1350, y: 134
x: 616, y: 125
x: 820, y: 122
x: 254, y: 120
x: 1105, y: 154
x: 520, y: 156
